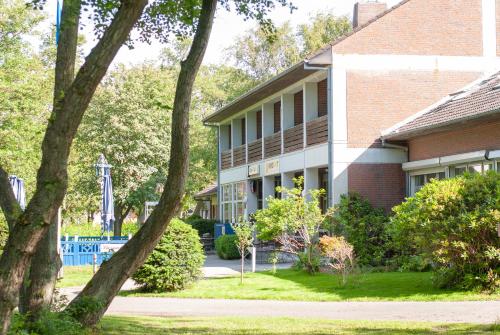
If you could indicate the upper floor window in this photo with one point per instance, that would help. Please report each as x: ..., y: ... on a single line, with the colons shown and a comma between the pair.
x: 419, y: 180
x: 298, y: 108
x: 322, y: 98
x: 258, y: 115
x: 277, y: 117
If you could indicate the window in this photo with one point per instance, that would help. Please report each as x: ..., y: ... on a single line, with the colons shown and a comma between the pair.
x: 478, y: 167
x: 323, y: 184
x: 420, y: 180
x: 243, y: 132
x: 233, y: 202
x: 277, y: 117
x: 258, y: 115
x: 277, y: 183
x: 298, y: 108
x: 322, y: 98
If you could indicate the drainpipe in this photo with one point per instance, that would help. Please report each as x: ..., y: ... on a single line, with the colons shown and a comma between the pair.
x: 330, y: 130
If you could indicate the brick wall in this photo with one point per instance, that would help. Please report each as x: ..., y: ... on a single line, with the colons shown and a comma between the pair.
x: 382, y: 184
x: 424, y: 27
x: 364, y: 12
x: 379, y: 100
x: 482, y: 136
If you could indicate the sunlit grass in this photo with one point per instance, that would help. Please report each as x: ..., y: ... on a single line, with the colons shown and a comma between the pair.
x: 118, y: 325
x: 300, y: 286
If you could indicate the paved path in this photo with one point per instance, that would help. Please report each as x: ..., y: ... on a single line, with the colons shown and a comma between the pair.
x: 486, y: 312
x: 467, y: 311
x: 216, y: 267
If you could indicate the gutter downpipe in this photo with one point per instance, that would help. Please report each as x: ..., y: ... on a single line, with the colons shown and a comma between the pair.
x: 219, y: 164
x: 329, y: 120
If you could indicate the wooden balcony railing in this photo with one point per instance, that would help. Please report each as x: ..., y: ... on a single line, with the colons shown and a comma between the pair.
x: 239, y: 155
x: 317, y: 131
x: 294, y: 138
x: 226, y: 159
x: 272, y: 145
x: 255, y: 151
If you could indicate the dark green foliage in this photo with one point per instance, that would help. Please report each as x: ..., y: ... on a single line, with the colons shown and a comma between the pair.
x: 175, y: 262
x: 453, y: 223
x: 49, y: 323
x: 226, y: 248
x: 203, y: 226
x: 364, y: 227
x: 308, y: 261
x: 4, y: 232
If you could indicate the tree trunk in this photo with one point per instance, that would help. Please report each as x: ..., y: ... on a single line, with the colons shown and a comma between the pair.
x: 52, y: 177
x: 120, y: 215
x: 40, y: 279
x: 106, y: 283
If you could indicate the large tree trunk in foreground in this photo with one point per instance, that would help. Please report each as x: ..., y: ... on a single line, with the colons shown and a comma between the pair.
x: 107, y: 282
x: 52, y: 177
x: 40, y: 279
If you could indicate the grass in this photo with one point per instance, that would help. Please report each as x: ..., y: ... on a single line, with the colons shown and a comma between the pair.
x: 299, y: 286
x: 119, y: 325
x: 75, y: 276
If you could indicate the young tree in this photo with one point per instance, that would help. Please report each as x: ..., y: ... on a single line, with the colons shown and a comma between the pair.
x: 340, y: 254
x: 294, y: 222
x: 244, y: 233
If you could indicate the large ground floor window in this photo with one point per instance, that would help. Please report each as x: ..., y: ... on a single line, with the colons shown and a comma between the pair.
x: 233, y: 201
x: 419, y: 178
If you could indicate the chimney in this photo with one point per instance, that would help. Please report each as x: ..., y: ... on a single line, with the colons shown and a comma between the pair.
x: 367, y: 10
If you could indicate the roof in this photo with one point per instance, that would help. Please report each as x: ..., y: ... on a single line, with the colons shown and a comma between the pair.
x: 478, y: 100
x: 209, y: 190
x: 285, y: 78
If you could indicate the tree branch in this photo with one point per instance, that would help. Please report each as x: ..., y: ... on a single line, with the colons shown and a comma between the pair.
x: 69, y: 109
x: 8, y: 203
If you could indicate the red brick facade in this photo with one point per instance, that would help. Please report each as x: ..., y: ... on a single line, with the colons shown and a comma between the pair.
x: 483, y: 136
x: 422, y: 27
x: 378, y: 100
x: 382, y: 184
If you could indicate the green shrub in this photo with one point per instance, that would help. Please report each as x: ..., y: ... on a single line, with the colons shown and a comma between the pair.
x: 175, y: 262
x: 365, y: 227
x: 453, y: 223
x: 49, y: 323
x: 193, y: 217
x: 226, y: 248
x: 203, y: 226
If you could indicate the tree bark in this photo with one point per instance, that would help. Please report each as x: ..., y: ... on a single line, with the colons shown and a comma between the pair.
x: 10, y: 206
x: 52, y: 177
x: 120, y: 215
x: 40, y: 280
x: 38, y: 288
x: 106, y: 283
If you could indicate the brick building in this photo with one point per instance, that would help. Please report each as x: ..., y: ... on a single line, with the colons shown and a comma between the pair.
x: 331, y: 117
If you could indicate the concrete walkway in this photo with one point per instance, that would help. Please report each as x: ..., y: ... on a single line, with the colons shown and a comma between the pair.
x: 216, y: 267
x: 486, y: 312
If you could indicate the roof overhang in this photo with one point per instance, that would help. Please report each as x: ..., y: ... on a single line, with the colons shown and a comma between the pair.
x: 260, y: 92
x: 451, y: 125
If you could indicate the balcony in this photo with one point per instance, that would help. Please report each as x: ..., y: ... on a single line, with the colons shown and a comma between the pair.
x: 272, y: 145
x: 294, y: 138
x: 226, y: 159
x: 317, y: 131
x: 255, y: 151
x: 239, y: 156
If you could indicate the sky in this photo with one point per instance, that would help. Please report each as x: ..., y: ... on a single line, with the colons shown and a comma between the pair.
x: 227, y: 26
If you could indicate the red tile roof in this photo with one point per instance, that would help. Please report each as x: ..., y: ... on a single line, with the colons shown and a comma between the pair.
x: 479, y: 99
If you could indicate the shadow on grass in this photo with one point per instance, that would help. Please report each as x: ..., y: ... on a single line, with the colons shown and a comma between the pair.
x: 269, y: 326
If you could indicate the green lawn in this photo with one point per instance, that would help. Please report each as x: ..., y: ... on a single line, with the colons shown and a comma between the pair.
x: 295, y: 285
x: 75, y: 276
x: 268, y: 326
